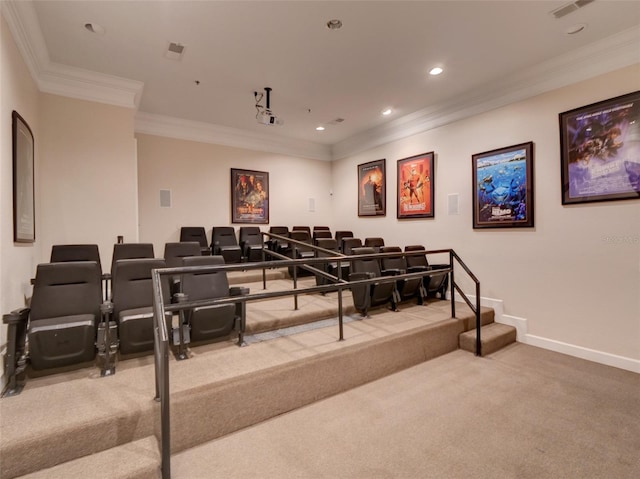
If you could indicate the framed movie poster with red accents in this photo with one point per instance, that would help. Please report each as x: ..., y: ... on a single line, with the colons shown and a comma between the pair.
x: 416, y: 187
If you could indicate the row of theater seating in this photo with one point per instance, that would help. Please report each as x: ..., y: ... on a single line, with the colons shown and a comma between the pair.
x: 251, y: 244
x: 77, y: 313
x: 248, y: 244
x: 367, y: 296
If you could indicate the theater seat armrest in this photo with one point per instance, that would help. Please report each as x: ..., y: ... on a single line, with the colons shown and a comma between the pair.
x: 106, y: 276
x: 238, y: 290
x: 17, y: 316
x: 439, y: 266
x: 360, y: 276
x: 391, y: 272
x: 417, y: 269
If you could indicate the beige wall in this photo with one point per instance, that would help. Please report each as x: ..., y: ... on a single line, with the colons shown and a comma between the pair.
x: 88, y: 175
x: 563, y: 277
x: 198, y: 176
x: 17, y: 92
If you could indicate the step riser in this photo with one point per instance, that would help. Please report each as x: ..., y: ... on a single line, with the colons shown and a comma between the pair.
x: 257, y: 397
x: 21, y: 458
x: 487, y: 316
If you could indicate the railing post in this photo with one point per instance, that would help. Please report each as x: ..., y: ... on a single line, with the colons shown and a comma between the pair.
x: 340, y: 319
x: 165, y: 417
x: 295, y: 277
x: 453, y: 286
x: 478, y: 322
x: 264, y: 271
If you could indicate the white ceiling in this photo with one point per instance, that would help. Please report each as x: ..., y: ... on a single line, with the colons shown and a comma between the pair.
x: 492, y: 52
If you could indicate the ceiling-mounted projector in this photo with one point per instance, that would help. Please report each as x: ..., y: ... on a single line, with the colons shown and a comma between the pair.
x: 264, y: 115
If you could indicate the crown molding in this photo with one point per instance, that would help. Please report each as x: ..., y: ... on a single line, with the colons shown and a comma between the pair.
x: 61, y: 79
x: 23, y: 23
x: 612, y: 53
x: 171, y: 127
x: 87, y: 85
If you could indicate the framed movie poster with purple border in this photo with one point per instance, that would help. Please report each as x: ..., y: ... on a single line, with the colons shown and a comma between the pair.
x: 372, y: 189
x: 416, y: 187
x: 503, y: 187
x: 249, y: 196
x: 600, y: 151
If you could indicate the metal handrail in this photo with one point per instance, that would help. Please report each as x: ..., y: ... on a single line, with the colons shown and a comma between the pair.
x: 475, y: 308
x: 161, y: 327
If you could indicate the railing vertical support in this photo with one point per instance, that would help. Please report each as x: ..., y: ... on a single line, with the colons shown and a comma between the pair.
x: 478, y: 322
x: 295, y: 278
x: 264, y: 271
x: 161, y: 353
x: 165, y: 415
x: 340, y: 312
x: 453, y: 289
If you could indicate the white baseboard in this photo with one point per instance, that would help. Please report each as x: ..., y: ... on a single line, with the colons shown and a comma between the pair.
x: 621, y: 362
x: 601, y: 357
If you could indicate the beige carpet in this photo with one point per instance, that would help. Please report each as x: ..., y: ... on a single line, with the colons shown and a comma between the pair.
x: 522, y: 412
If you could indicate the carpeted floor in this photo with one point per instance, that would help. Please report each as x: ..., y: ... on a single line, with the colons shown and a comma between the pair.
x: 522, y: 412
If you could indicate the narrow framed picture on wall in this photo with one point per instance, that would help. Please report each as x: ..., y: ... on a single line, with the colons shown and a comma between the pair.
x: 503, y: 187
x: 24, y: 229
x: 372, y: 189
x: 249, y: 196
x: 600, y: 151
x: 416, y: 186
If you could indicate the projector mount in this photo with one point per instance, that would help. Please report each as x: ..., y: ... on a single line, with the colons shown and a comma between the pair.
x: 264, y: 115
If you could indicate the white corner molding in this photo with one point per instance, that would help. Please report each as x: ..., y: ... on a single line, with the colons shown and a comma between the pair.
x: 171, y: 127
x: 62, y: 79
x: 612, y: 53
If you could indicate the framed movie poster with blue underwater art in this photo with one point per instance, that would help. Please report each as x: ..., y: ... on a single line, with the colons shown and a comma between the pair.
x: 600, y: 151
x: 503, y: 187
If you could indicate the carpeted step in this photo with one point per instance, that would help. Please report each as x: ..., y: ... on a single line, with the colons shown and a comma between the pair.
x: 134, y: 460
x: 493, y: 336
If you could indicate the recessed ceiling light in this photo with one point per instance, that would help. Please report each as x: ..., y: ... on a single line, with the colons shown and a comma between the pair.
x: 386, y: 112
x: 435, y: 71
x: 320, y: 128
x: 334, y: 24
x: 94, y: 28
x: 573, y: 29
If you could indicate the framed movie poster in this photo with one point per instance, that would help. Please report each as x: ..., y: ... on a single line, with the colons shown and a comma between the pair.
x: 503, y: 187
x: 372, y: 189
x: 415, y: 187
x: 600, y: 151
x: 24, y: 229
x: 249, y: 196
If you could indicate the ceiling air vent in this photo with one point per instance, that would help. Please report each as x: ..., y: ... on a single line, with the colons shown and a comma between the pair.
x: 336, y: 121
x: 174, y: 51
x: 570, y: 7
